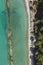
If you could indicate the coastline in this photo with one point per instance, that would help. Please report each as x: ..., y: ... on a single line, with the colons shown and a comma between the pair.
x: 28, y: 30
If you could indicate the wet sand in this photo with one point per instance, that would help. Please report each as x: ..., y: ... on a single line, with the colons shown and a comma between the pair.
x: 28, y: 18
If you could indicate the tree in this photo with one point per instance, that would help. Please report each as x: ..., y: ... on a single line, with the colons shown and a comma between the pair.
x: 39, y: 30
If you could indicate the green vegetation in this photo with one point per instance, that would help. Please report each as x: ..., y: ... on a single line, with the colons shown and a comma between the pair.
x: 33, y: 6
x: 30, y: 2
x: 37, y: 7
x: 38, y: 30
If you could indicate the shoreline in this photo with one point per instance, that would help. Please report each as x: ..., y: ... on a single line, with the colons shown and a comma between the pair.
x: 26, y: 2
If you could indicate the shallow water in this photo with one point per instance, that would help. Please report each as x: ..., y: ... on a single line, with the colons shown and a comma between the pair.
x: 3, y: 39
x: 19, y: 32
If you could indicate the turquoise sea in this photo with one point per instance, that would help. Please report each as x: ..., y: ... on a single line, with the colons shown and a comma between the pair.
x: 18, y: 21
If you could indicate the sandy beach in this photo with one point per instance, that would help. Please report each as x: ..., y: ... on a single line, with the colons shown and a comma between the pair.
x: 28, y: 17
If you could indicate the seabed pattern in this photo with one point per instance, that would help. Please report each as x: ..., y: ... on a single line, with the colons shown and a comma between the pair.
x: 13, y: 33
